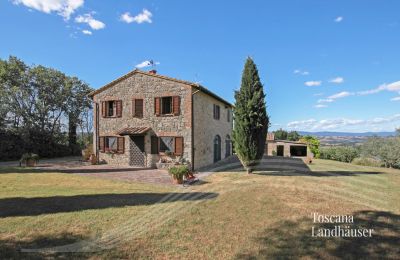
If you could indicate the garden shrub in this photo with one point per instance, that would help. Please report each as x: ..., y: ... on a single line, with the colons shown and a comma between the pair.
x: 365, y: 161
x: 339, y: 153
x: 179, y: 171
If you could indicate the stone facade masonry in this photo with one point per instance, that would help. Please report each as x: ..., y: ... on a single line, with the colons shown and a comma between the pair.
x: 147, y: 87
x: 206, y: 128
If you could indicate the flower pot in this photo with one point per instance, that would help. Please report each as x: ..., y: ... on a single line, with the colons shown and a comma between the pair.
x: 93, y: 159
x: 30, y: 163
x: 177, y: 181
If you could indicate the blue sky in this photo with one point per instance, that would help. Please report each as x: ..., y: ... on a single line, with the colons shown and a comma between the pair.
x: 325, y: 65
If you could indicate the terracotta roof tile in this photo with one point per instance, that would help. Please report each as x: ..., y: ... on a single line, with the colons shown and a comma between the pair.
x: 134, y: 130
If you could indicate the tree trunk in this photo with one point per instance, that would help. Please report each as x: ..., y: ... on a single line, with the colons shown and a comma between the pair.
x: 72, y: 125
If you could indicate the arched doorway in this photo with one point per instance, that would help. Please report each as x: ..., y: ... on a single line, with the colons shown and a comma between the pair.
x: 217, y: 148
x: 227, y: 146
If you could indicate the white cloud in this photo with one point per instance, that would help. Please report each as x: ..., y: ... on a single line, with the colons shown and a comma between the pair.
x: 313, y: 83
x: 395, y: 86
x: 87, y: 32
x: 64, y: 8
x: 325, y: 100
x: 395, y: 99
x: 301, y: 72
x: 372, y: 91
x: 388, y: 123
x: 143, y: 17
x: 322, y: 102
x: 341, y: 95
x: 146, y: 63
x: 318, y: 94
x: 88, y: 19
x: 392, y: 87
x: 337, y: 80
x: 339, y: 19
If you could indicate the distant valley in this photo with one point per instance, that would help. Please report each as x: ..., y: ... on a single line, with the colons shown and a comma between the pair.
x: 345, y: 138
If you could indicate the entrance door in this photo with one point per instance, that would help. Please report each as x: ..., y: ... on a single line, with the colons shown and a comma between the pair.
x: 279, y: 150
x: 217, y: 148
x: 137, y: 154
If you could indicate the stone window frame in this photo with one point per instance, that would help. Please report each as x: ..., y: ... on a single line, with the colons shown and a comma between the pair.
x: 116, y: 108
x: 171, y: 108
x: 120, y: 144
x: 175, y: 106
x: 216, y: 112
x: 174, y: 140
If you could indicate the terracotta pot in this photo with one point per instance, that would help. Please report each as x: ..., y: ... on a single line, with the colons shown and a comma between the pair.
x: 30, y: 163
x: 177, y: 181
x: 93, y: 159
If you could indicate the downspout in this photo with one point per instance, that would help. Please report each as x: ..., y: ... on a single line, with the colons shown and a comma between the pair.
x: 192, y: 123
x: 97, y: 133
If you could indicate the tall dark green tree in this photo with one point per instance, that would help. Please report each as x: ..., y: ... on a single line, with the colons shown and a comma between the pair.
x: 251, y: 119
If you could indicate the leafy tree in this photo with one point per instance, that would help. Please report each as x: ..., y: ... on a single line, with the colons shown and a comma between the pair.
x: 386, y: 150
x: 312, y: 144
x: 36, y: 104
x: 398, y: 132
x: 251, y: 119
x: 293, y: 136
x: 281, y: 134
x: 340, y: 153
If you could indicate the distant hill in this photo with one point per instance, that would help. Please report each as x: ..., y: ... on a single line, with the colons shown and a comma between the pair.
x: 345, y: 134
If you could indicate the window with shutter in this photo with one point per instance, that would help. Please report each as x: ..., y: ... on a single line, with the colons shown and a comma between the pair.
x: 120, y: 144
x: 119, y: 108
x: 178, y: 145
x: 137, y: 107
x: 103, y: 109
x: 216, y: 112
x: 154, y: 145
x: 157, y: 106
x: 176, y: 105
x: 101, y: 144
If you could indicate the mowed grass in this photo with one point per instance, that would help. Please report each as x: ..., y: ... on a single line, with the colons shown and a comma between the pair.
x: 232, y: 215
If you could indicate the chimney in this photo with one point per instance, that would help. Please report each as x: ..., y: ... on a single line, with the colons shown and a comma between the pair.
x: 153, y: 72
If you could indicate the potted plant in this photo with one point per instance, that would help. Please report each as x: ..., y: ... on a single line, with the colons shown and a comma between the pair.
x: 177, y: 173
x: 30, y: 159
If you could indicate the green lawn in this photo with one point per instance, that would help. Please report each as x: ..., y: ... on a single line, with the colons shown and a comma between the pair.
x: 232, y: 215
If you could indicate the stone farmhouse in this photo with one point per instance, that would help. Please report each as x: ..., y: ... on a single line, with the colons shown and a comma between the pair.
x: 143, y: 116
x: 285, y: 148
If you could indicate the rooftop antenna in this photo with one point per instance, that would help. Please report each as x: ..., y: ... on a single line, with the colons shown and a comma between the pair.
x: 196, y: 79
x: 153, y: 66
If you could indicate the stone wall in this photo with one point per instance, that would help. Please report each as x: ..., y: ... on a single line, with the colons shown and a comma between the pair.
x: 271, y: 147
x: 206, y: 128
x: 146, y: 87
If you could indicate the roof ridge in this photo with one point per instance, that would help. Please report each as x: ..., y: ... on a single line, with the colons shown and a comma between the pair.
x: 136, y: 70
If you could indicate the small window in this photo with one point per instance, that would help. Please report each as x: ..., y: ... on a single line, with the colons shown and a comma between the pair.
x: 137, y: 108
x: 167, y: 144
x: 110, y: 108
x: 166, y: 105
x: 111, y: 144
x: 216, y: 112
x: 228, y: 115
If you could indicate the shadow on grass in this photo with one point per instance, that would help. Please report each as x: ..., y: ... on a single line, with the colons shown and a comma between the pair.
x: 45, y: 169
x: 313, y: 174
x: 10, y: 207
x: 13, y: 249
x: 294, y: 240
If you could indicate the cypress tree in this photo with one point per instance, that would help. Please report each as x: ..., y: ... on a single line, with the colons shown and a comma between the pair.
x: 251, y: 119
